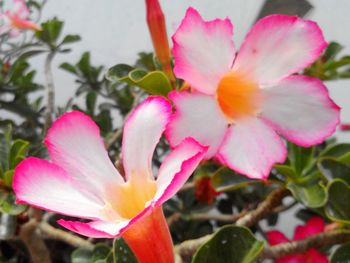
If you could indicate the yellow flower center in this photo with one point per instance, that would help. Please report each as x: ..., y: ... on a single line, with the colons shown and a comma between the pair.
x: 238, y: 96
x: 129, y: 199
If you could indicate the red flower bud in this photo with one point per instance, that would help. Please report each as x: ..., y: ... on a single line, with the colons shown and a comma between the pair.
x: 204, y: 190
x: 157, y: 29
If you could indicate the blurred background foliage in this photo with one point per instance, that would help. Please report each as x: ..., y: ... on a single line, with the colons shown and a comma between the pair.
x: 318, y: 178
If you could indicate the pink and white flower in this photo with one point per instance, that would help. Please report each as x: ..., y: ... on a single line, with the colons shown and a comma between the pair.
x: 17, y: 19
x: 81, y: 181
x: 240, y: 104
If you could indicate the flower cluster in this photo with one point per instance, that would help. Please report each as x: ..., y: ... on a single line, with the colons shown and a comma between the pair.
x: 236, y: 109
x: 17, y: 19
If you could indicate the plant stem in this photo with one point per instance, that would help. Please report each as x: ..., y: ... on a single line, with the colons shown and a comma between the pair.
x: 333, y: 237
x: 50, y: 90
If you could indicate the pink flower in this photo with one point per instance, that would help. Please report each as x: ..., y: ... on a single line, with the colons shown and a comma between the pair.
x: 239, y: 105
x: 17, y: 19
x: 81, y: 181
x: 314, y: 225
x: 345, y: 127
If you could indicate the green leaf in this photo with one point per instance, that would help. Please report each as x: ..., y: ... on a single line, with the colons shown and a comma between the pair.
x: 91, y: 98
x: 332, y: 169
x: 300, y: 158
x: 70, y: 39
x: 155, y: 82
x: 341, y: 254
x: 231, y: 244
x: 337, y: 207
x: 122, y: 252
x: 81, y: 255
x: 336, y: 150
x: 100, y: 254
x: 225, y: 180
x: 69, y: 67
x: 9, y: 206
x: 50, y: 32
x: 8, y: 177
x: 287, y: 171
x: 309, y: 190
x: 331, y: 51
x: 18, y: 152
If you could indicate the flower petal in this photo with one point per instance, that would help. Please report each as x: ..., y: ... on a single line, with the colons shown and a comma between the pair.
x: 298, y: 258
x: 277, y: 46
x: 74, y: 143
x: 198, y: 116
x: 45, y: 185
x: 203, y: 51
x: 251, y: 147
x: 177, y: 168
x: 299, y: 108
x: 275, y: 237
x: 142, y: 132
x: 312, y: 255
x: 103, y: 229
x: 86, y: 229
x: 314, y: 225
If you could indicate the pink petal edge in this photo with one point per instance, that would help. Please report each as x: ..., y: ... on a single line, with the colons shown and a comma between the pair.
x: 186, y: 169
x: 259, y: 47
x: 293, y: 135
x: 203, y: 50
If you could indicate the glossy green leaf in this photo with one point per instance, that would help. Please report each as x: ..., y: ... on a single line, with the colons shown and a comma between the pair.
x: 8, y: 204
x: 155, y: 82
x: 50, y: 32
x: 122, y: 252
x: 331, y: 51
x: 91, y: 99
x: 337, y: 207
x: 18, y: 152
x: 8, y: 177
x: 336, y: 150
x: 68, y: 67
x: 341, y: 254
x: 231, y: 244
x: 300, y: 158
x: 225, y: 180
x: 81, y: 255
x: 70, y: 39
x: 333, y: 169
x: 287, y: 171
x: 309, y: 190
x: 100, y: 254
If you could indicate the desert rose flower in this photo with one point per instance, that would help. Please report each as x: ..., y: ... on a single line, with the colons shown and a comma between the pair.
x: 313, y: 226
x: 240, y: 104
x: 17, y: 19
x: 81, y: 181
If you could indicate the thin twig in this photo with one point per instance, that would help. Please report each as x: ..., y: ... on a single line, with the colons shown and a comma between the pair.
x: 34, y: 243
x: 64, y: 236
x: 217, y: 217
x: 50, y: 90
x: 329, y: 238
x: 272, y: 201
x: 187, y: 186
